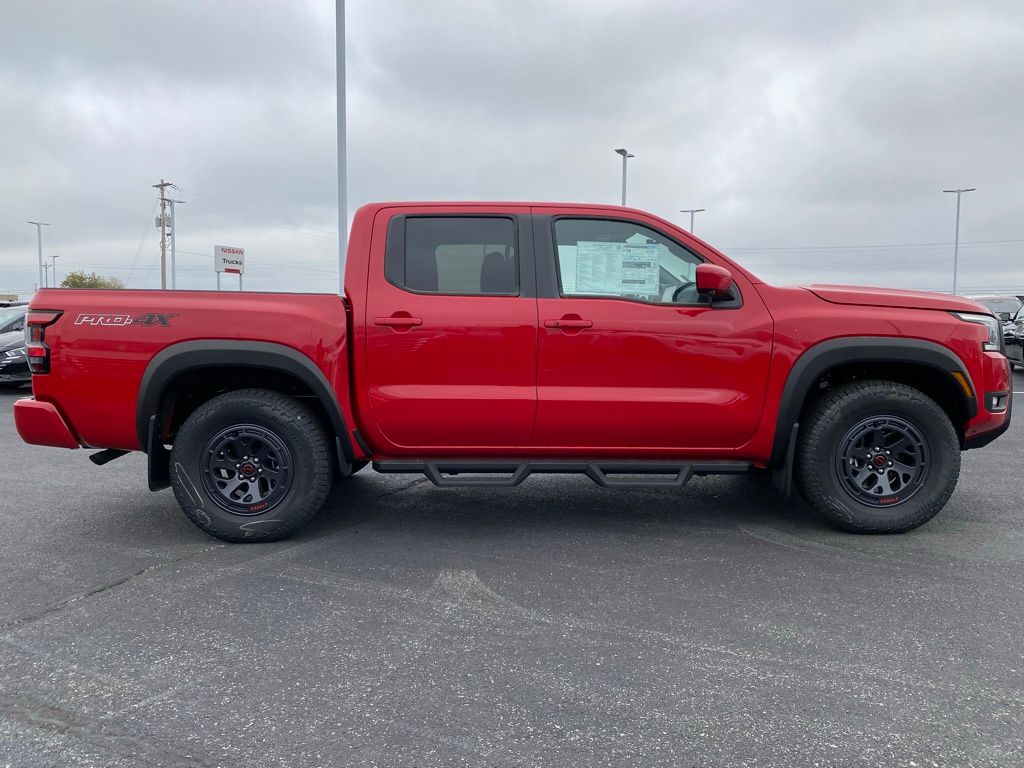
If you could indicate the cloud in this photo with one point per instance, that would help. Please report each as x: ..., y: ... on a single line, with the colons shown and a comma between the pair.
x: 795, y: 124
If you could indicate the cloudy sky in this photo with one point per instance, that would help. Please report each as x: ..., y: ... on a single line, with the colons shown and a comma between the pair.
x: 818, y: 135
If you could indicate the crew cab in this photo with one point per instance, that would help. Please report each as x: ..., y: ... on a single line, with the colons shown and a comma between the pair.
x: 480, y: 343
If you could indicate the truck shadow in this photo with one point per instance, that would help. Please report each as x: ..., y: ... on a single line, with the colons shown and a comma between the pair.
x: 558, y: 503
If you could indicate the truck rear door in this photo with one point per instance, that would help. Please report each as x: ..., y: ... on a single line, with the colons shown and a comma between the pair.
x: 451, y: 330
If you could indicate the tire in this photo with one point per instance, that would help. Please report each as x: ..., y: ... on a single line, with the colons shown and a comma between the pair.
x: 856, y: 487
x: 276, y: 489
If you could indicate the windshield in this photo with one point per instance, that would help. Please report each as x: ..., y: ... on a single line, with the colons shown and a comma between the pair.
x: 11, y: 314
x: 1009, y: 305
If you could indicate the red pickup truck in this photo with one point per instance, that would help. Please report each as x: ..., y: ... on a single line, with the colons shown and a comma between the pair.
x: 479, y: 343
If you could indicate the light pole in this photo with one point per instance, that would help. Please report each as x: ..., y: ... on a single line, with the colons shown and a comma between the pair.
x: 339, y: 55
x: 956, y: 236
x: 46, y: 275
x: 625, y: 156
x: 39, y: 245
x: 54, y: 268
x: 692, y: 211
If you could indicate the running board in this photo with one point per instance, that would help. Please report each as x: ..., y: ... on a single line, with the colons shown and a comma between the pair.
x: 446, y: 473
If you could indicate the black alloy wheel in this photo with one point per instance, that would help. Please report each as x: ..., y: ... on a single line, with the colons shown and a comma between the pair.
x: 247, y: 469
x: 882, y: 461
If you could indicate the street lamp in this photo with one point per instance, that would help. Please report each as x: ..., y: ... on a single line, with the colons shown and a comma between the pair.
x: 39, y: 245
x: 625, y: 156
x: 692, y: 211
x: 956, y: 237
x: 54, y: 268
x: 46, y: 275
x: 339, y: 60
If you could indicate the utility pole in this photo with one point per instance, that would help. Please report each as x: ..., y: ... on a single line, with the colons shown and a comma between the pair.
x: 162, y: 223
x: 692, y: 211
x: 956, y: 236
x: 39, y: 245
x: 174, y: 229
x: 339, y: 54
x: 54, y: 258
x: 46, y: 275
x: 625, y: 156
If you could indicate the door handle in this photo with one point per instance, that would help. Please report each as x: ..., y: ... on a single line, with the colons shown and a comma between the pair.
x: 575, y: 323
x: 398, y: 321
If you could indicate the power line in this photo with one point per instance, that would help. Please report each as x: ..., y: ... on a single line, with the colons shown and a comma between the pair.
x: 866, y: 247
x: 142, y: 239
x: 232, y: 211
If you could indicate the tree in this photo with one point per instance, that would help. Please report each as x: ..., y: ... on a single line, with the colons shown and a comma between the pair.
x: 83, y: 279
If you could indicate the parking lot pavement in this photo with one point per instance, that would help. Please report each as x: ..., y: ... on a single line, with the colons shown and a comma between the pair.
x: 556, y: 624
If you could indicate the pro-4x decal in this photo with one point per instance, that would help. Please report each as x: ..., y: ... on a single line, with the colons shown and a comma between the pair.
x: 121, y: 319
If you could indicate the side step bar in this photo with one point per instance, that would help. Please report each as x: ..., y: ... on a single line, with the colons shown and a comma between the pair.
x: 446, y: 473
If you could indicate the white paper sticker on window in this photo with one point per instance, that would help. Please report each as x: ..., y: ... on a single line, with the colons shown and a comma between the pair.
x: 616, y: 269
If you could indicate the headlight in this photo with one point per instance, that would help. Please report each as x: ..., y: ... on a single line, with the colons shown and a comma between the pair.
x: 17, y: 352
x: 994, y: 343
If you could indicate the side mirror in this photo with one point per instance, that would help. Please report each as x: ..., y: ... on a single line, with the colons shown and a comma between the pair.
x: 714, y: 281
x: 1004, y: 316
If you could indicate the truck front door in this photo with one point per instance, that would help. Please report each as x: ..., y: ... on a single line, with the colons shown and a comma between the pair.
x: 451, y: 331
x: 630, y: 356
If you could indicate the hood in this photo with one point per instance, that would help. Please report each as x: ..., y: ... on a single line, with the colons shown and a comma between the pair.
x: 890, y: 297
x: 12, y: 339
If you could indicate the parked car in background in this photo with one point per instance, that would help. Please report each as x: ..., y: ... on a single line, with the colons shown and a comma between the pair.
x: 14, y: 370
x: 1013, y: 338
x: 1000, y: 304
x: 12, y: 319
x: 1008, y: 309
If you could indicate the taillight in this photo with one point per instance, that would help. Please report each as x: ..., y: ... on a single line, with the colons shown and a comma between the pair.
x: 38, y: 353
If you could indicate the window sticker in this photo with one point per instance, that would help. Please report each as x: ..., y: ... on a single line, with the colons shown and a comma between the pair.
x: 616, y: 269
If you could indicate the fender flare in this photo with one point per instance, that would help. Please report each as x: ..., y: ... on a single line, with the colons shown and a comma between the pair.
x: 208, y: 353
x: 809, y: 367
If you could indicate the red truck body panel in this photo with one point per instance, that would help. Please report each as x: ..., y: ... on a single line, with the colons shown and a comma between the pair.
x: 97, y: 365
x: 431, y: 375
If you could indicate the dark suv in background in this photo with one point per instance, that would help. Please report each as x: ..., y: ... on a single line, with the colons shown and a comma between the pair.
x: 1010, y: 311
x: 13, y: 360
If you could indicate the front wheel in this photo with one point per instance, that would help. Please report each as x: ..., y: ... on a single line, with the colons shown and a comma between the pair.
x: 251, y: 465
x: 877, y: 457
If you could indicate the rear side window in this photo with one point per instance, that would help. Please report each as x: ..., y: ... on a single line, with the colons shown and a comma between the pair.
x: 453, y: 255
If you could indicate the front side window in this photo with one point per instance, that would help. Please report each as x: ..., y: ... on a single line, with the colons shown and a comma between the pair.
x: 621, y: 259
x: 465, y: 256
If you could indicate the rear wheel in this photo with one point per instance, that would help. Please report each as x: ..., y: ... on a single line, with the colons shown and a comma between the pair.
x: 877, y: 457
x: 251, y: 465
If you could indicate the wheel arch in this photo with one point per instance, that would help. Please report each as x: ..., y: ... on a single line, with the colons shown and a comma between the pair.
x: 910, y: 361
x: 220, y: 362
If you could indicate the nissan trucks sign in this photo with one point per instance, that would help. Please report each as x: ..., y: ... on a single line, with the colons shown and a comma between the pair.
x: 227, y: 258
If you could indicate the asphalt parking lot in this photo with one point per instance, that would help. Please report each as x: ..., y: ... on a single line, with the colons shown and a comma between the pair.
x: 556, y: 624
